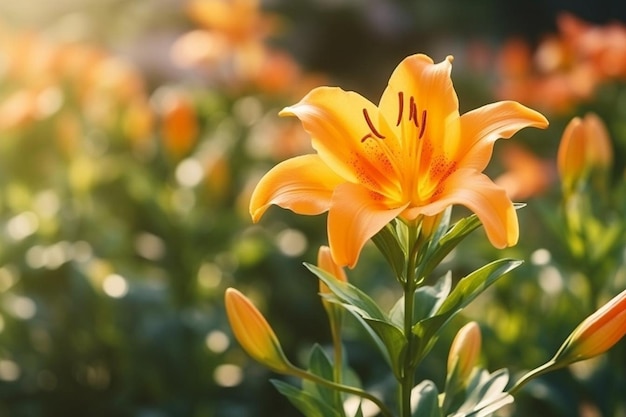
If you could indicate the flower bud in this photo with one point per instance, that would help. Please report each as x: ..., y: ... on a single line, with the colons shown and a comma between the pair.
x: 596, y: 334
x: 464, y: 351
x: 585, y: 146
x: 325, y: 263
x: 253, y: 332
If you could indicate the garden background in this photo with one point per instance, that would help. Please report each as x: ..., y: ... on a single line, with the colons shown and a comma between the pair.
x: 133, y: 131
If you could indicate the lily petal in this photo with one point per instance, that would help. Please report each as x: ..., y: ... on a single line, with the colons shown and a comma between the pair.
x: 303, y: 184
x: 482, y: 196
x: 356, y: 214
x: 483, y: 126
x: 346, y: 133
x: 420, y: 100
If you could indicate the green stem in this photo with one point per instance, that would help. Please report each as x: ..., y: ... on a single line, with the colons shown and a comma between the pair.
x: 344, y: 388
x: 407, y: 380
x: 335, y: 316
x: 543, y: 369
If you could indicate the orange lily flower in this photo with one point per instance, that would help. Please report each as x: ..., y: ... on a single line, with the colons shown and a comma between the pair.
x: 411, y: 156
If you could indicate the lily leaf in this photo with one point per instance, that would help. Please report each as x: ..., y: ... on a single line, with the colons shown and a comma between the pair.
x: 444, y: 245
x: 465, y: 292
x: 319, y: 364
x: 425, y: 400
x: 388, y: 243
x: 394, y: 342
x: 349, y: 295
x: 427, y: 300
x: 307, y: 403
x: 388, y: 337
x: 485, y: 394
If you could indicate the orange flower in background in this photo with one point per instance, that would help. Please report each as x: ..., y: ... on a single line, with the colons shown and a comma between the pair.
x: 411, y: 156
x: 597, y: 333
x: 253, y: 332
x: 585, y: 146
x: 566, y: 68
x: 179, y: 121
x: 526, y: 174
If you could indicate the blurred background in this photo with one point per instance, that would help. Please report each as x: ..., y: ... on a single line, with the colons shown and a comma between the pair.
x: 133, y: 131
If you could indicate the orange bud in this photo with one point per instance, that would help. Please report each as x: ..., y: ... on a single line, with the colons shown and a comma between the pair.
x: 325, y: 262
x: 571, y: 154
x: 600, y: 152
x: 597, y: 333
x: 465, y: 350
x: 585, y: 146
x: 253, y: 332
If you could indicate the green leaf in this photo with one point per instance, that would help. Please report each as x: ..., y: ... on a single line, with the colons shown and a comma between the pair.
x: 425, y: 400
x: 388, y: 243
x: 308, y: 404
x: 394, y: 342
x: 320, y: 364
x: 350, y: 296
x: 388, y: 337
x: 427, y: 300
x: 485, y: 394
x: 443, y: 246
x: 465, y: 292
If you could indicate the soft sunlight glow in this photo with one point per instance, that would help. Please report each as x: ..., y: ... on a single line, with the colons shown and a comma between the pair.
x: 189, y: 172
x: 150, y: 246
x: 115, y: 286
x: 248, y: 110
x: 8, y: 277
x: 217, y: 341
x: 20, y: 307
x: 23, y: 225
x: 209, y: 276
x: 9, y: 370
x: 228, y: 375
x: 47, y: 203
x: 550, y: 280
x: 541, y: 257
x: 292, y: 242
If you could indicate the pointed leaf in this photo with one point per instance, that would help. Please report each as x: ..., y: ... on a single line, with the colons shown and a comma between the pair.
x: 388, y: 338
x: 389, y: 245
x: 309, y: 405
x: 485, y: 394
x: 319, y: 364
x: 425, y: 400
x: 455, y: 235
x: 465, y: 291
x: 394, y: 341
x: 427, y: 300
x: 351, y: 296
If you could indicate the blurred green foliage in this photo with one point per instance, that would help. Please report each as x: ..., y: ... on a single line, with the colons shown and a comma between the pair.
x: 124, y: 179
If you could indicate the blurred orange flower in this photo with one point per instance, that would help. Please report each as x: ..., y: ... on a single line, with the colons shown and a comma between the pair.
x: 179, y: 122
x: 231, y: 47
x: 566, y: 68
x: 411, y: 156
x: 526, y: 174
